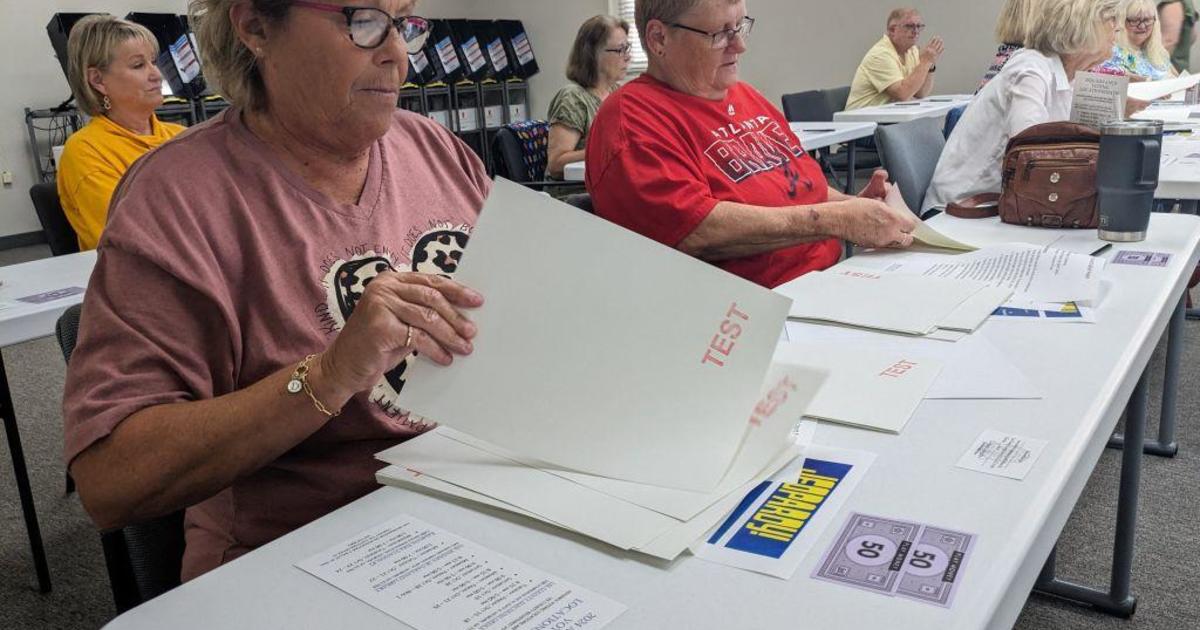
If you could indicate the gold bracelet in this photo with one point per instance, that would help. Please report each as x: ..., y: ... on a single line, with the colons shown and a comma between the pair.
x: 299, y: 383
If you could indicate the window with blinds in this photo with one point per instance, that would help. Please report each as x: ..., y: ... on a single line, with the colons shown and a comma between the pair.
x: 624, y: 10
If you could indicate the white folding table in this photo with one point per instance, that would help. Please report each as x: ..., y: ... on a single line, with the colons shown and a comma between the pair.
x: 904, y: 111
x: 1089, y: 373
x: 22, y: 321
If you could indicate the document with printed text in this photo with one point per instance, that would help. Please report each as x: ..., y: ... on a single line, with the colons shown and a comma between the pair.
x: 432, y: 579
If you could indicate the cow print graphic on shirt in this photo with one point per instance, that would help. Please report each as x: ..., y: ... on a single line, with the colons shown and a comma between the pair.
x: 436, y: 252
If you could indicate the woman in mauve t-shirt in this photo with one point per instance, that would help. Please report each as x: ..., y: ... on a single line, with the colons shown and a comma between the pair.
x: 264, y: 281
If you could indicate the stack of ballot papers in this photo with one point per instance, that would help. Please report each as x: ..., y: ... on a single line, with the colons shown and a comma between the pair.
x: 653, y: 520
x: 910, y: 304
x: 633, y: 407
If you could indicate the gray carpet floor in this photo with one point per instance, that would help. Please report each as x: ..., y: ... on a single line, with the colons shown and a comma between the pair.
x: 1166, y: 570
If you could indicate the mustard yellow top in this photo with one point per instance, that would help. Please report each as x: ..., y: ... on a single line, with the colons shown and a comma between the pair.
x: 880, y: 68
x: 93, y: 161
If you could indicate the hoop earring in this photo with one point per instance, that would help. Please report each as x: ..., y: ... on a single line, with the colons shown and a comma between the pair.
x: 107, y: 103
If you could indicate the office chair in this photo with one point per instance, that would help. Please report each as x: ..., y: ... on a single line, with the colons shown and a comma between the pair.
x: 520, y: 152
x: 59, y: 233
x: 910, y: 153
x: 143, y: 559
x: 818, y: 106
x: 952, y: 118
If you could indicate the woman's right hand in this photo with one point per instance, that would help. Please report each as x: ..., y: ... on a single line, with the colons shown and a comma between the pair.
x: 399, y: 313
x: 872, y: 223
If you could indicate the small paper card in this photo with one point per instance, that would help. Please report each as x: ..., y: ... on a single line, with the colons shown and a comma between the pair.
x: 1003, y: 455
x: 1142, y: 259
x: 1099, y: 98
x: 50, y: 296
x: 431, y: 579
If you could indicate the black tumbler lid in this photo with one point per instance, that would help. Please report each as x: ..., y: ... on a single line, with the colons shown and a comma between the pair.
x: 1132, y: 128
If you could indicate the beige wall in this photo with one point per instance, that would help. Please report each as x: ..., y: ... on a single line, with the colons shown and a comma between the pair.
x: 797, y: 45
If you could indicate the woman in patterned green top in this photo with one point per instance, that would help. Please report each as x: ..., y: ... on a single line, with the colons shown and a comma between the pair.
x: 598, y: 61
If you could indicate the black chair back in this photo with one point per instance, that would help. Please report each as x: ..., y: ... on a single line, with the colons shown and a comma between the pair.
x: 836, y: 98
x: 144, y: 559
x: 810, y: 106
x: 583, y: 201
x: 59, y: 233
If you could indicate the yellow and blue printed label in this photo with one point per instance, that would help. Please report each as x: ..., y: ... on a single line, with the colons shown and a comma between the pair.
x: 779, y: 511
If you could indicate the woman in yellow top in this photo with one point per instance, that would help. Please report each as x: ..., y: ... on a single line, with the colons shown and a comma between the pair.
x: 112, y: 74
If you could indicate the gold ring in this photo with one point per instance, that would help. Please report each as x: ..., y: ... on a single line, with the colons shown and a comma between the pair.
x: 408, y: 338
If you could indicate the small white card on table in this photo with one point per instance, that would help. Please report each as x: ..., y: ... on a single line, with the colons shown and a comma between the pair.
x: 1003, y: 455
x: 431, y: 579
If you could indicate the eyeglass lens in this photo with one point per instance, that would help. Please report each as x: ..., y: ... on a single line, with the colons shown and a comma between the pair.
x: 369, y: 27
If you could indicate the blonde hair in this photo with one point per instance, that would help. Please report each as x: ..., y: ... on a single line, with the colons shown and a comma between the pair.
x: 1153, y: 49
x: 93, y: 43
x: 1070, y: 27
x: 1013, y: 22
x: 227, y: 62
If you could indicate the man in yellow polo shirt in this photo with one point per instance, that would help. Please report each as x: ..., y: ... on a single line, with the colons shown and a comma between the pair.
x: 894, y: 69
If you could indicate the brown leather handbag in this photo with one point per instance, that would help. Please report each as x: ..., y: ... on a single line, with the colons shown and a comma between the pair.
x: 1049, y: 180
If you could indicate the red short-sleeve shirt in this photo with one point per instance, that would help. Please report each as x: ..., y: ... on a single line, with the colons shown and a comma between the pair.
x: 659, y: 161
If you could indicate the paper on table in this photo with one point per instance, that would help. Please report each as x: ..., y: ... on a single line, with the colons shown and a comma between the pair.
x: 866, y: 387
x: 666, y: 546
x: 1032, y: 273
x: 970, y: 315
x: 612, y: 520
x: 973, y: 369
x: 985, y: 232
x: 1151, y: 90
x: 867, y: 298
x: 431, y: 579
x: 787, y: 392
x: 1003, y: 455
x: 780, y: 520
x: 579, y: 362
x: 1054, y: 312
x: 1098, y: 98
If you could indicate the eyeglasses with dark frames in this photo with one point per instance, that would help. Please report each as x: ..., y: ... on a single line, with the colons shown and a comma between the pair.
x: 913, y: 28
x: 369, y: 26
x: 1140, y: 23
x: 624, y: 51
x: 721, y: 39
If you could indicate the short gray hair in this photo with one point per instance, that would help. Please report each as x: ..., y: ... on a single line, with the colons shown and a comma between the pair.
x: 666, y: 11
x: 92, y: 43
x: 1068, y: 27
x: 227, y: 62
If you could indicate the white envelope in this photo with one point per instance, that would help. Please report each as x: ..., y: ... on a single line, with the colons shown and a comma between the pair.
x: 865, y: 297
x: 593, y: 338
x: 866, y: 387
x: 971, y: 314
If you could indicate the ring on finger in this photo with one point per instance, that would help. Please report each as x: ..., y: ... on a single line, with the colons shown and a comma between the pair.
x: 408, y: 337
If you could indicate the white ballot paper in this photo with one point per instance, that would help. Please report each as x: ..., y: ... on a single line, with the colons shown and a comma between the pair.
x: 991, y: 231
x: 924, y: 234
x: 1035, y: 274
x: 779, y: 521
x: 1153, y: 90
x: 863, y: 297
x: 573, y: 362
x: 431, y: 579
x: 1099, y: 98
x: 973, y: 369
x: 1003, y: 455
x: 866, y: 387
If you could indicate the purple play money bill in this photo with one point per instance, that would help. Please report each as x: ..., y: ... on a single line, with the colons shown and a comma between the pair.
x: 1142, y: 259
x: 890, y: 556
x: 50, y: 296
x: 869, y: 553
x: 931, y: 573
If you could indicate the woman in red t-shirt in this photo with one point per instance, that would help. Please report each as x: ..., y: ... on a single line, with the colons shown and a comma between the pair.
x: 691, y: 157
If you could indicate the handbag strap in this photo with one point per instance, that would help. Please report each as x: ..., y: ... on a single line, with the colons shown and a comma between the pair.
x: 969, y: 208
